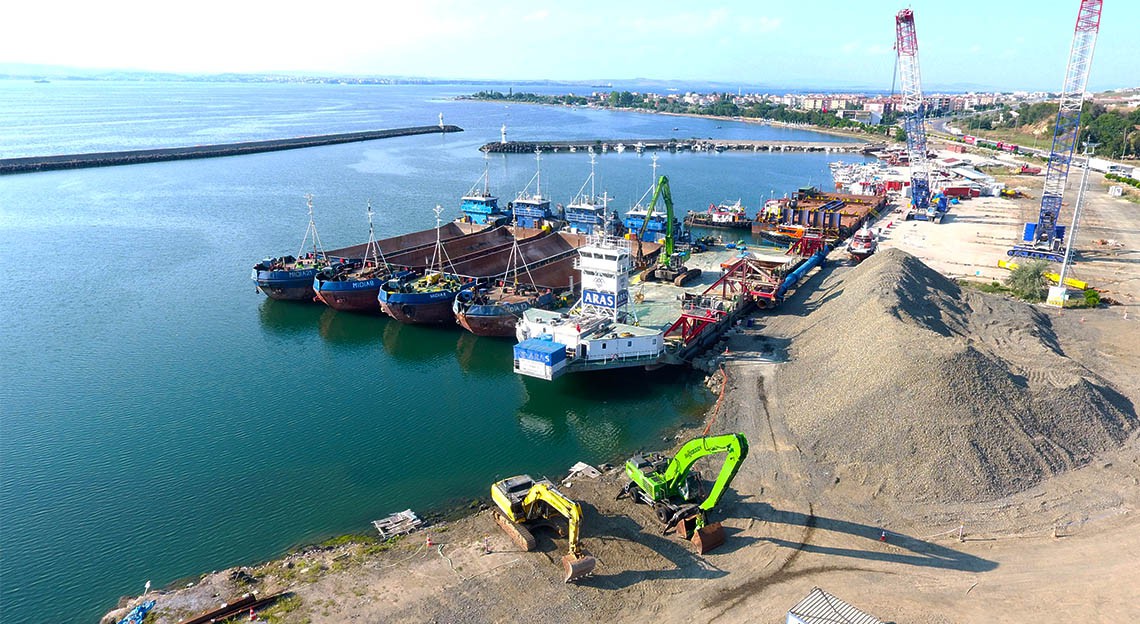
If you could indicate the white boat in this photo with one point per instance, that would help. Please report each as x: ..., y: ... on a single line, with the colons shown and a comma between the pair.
x: 600, y: 331
x: 862, y: 244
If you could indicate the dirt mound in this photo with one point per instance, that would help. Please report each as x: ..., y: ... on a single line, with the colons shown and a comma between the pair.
x: 935, y: 393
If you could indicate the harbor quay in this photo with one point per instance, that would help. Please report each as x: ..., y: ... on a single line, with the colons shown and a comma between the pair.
x: 676, y: 145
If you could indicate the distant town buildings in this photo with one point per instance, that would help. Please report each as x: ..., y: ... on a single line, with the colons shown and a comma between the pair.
x: 871, y: 108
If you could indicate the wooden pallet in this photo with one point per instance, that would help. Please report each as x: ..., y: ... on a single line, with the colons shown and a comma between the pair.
x: 400, y: 523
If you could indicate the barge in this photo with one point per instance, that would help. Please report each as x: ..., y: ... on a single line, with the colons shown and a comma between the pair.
x: 290, y: 278
x: 836, y: 215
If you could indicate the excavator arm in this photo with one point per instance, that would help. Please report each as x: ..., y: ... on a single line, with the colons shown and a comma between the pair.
x: 733, y: 445
x: 660, y: 191
x: 565, y: 507
x: 662, y: 487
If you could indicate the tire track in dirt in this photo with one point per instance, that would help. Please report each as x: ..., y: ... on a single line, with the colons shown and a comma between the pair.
x: 787, y: 465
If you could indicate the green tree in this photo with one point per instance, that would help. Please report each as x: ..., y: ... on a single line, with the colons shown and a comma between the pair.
x: 1028, y: 280
x: 900, y: 134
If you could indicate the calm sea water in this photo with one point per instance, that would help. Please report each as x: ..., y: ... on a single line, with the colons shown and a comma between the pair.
x: 159, y: 418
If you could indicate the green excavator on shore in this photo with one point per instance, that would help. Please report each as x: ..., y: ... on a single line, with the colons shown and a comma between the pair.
x: 523, y: 504
x: 674, y: 490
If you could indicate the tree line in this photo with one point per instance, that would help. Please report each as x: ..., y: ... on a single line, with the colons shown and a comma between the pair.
x: 1115, y: 131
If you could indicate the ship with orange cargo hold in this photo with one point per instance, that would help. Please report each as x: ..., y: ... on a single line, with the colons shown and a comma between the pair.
x: 836, y: 215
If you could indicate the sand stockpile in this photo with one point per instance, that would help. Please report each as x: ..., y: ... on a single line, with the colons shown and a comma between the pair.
x: 914, y: 388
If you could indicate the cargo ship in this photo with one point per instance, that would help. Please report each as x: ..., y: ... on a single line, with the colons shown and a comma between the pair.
x: 586, y: 213
x: 426, y: 298
x: 290, y: 278
x: 532, y: 210
x: 355, y: 286
x: 544, y: 281
x: 724, y: 215
x: 480, y: 206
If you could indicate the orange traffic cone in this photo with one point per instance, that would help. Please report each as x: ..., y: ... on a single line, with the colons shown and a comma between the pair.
x: 883, y: 536
x: 429, y: 541
x: 252, y: 615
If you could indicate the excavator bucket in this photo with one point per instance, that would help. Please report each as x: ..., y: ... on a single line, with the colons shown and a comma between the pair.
x: 708, y: 537
x: 577, y: 568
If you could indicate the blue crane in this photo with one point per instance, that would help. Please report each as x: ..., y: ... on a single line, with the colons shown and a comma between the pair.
x: 1045, y: 239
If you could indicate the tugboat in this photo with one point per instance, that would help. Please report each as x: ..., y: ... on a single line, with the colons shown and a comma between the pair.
x: 544, y: 284
x: 290, y: 278
x: 354, y: 287
x: 533, y: 210
x: 600, y: 332
x: 652, y: 225
x: 863, y: 243
x: 723, y: 215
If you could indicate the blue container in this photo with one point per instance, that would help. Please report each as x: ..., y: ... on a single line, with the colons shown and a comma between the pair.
x: 547, y: 352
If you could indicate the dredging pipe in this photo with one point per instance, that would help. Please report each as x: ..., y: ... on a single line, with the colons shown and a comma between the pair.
x: 31, y: 164
x: 815, y: 260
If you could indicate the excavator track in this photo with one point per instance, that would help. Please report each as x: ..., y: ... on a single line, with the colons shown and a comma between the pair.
x: 518, y: 533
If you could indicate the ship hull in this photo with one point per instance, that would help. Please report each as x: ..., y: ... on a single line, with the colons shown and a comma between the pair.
x: 286, y: 285
x: 704, y: 222
x: 430, y: 308
x: 859, y: 255
x: 497, y: 319
x: 497, y: 326
x: 359, y: 296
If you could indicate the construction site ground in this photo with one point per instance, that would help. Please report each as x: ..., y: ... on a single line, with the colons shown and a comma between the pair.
x: 1065, y: 549
x: 977, y: 232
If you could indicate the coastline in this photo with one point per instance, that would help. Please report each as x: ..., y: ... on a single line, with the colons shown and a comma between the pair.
x: 862, y: 136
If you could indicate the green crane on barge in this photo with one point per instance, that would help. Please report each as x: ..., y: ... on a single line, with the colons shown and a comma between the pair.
x: 670, y: 262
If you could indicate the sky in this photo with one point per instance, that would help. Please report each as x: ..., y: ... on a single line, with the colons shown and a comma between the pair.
x: 1005, y: 45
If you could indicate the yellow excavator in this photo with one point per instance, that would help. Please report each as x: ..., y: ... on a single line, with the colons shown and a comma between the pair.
x: 523, y: 504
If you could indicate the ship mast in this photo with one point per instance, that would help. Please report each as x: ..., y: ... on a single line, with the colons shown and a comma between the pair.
x: 439, y: 254
x: 373, y: 248
x: 318, y: 248
x: 538, y: 173
x: 486, y: 173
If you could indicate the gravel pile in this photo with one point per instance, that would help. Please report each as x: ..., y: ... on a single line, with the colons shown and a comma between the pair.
x: 921, y: 391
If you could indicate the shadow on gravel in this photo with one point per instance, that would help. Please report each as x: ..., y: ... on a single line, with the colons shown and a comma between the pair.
x: 920, y: 553
x: 686, y: 564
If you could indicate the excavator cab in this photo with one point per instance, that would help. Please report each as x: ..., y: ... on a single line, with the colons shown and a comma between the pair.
x: 523, y: 504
